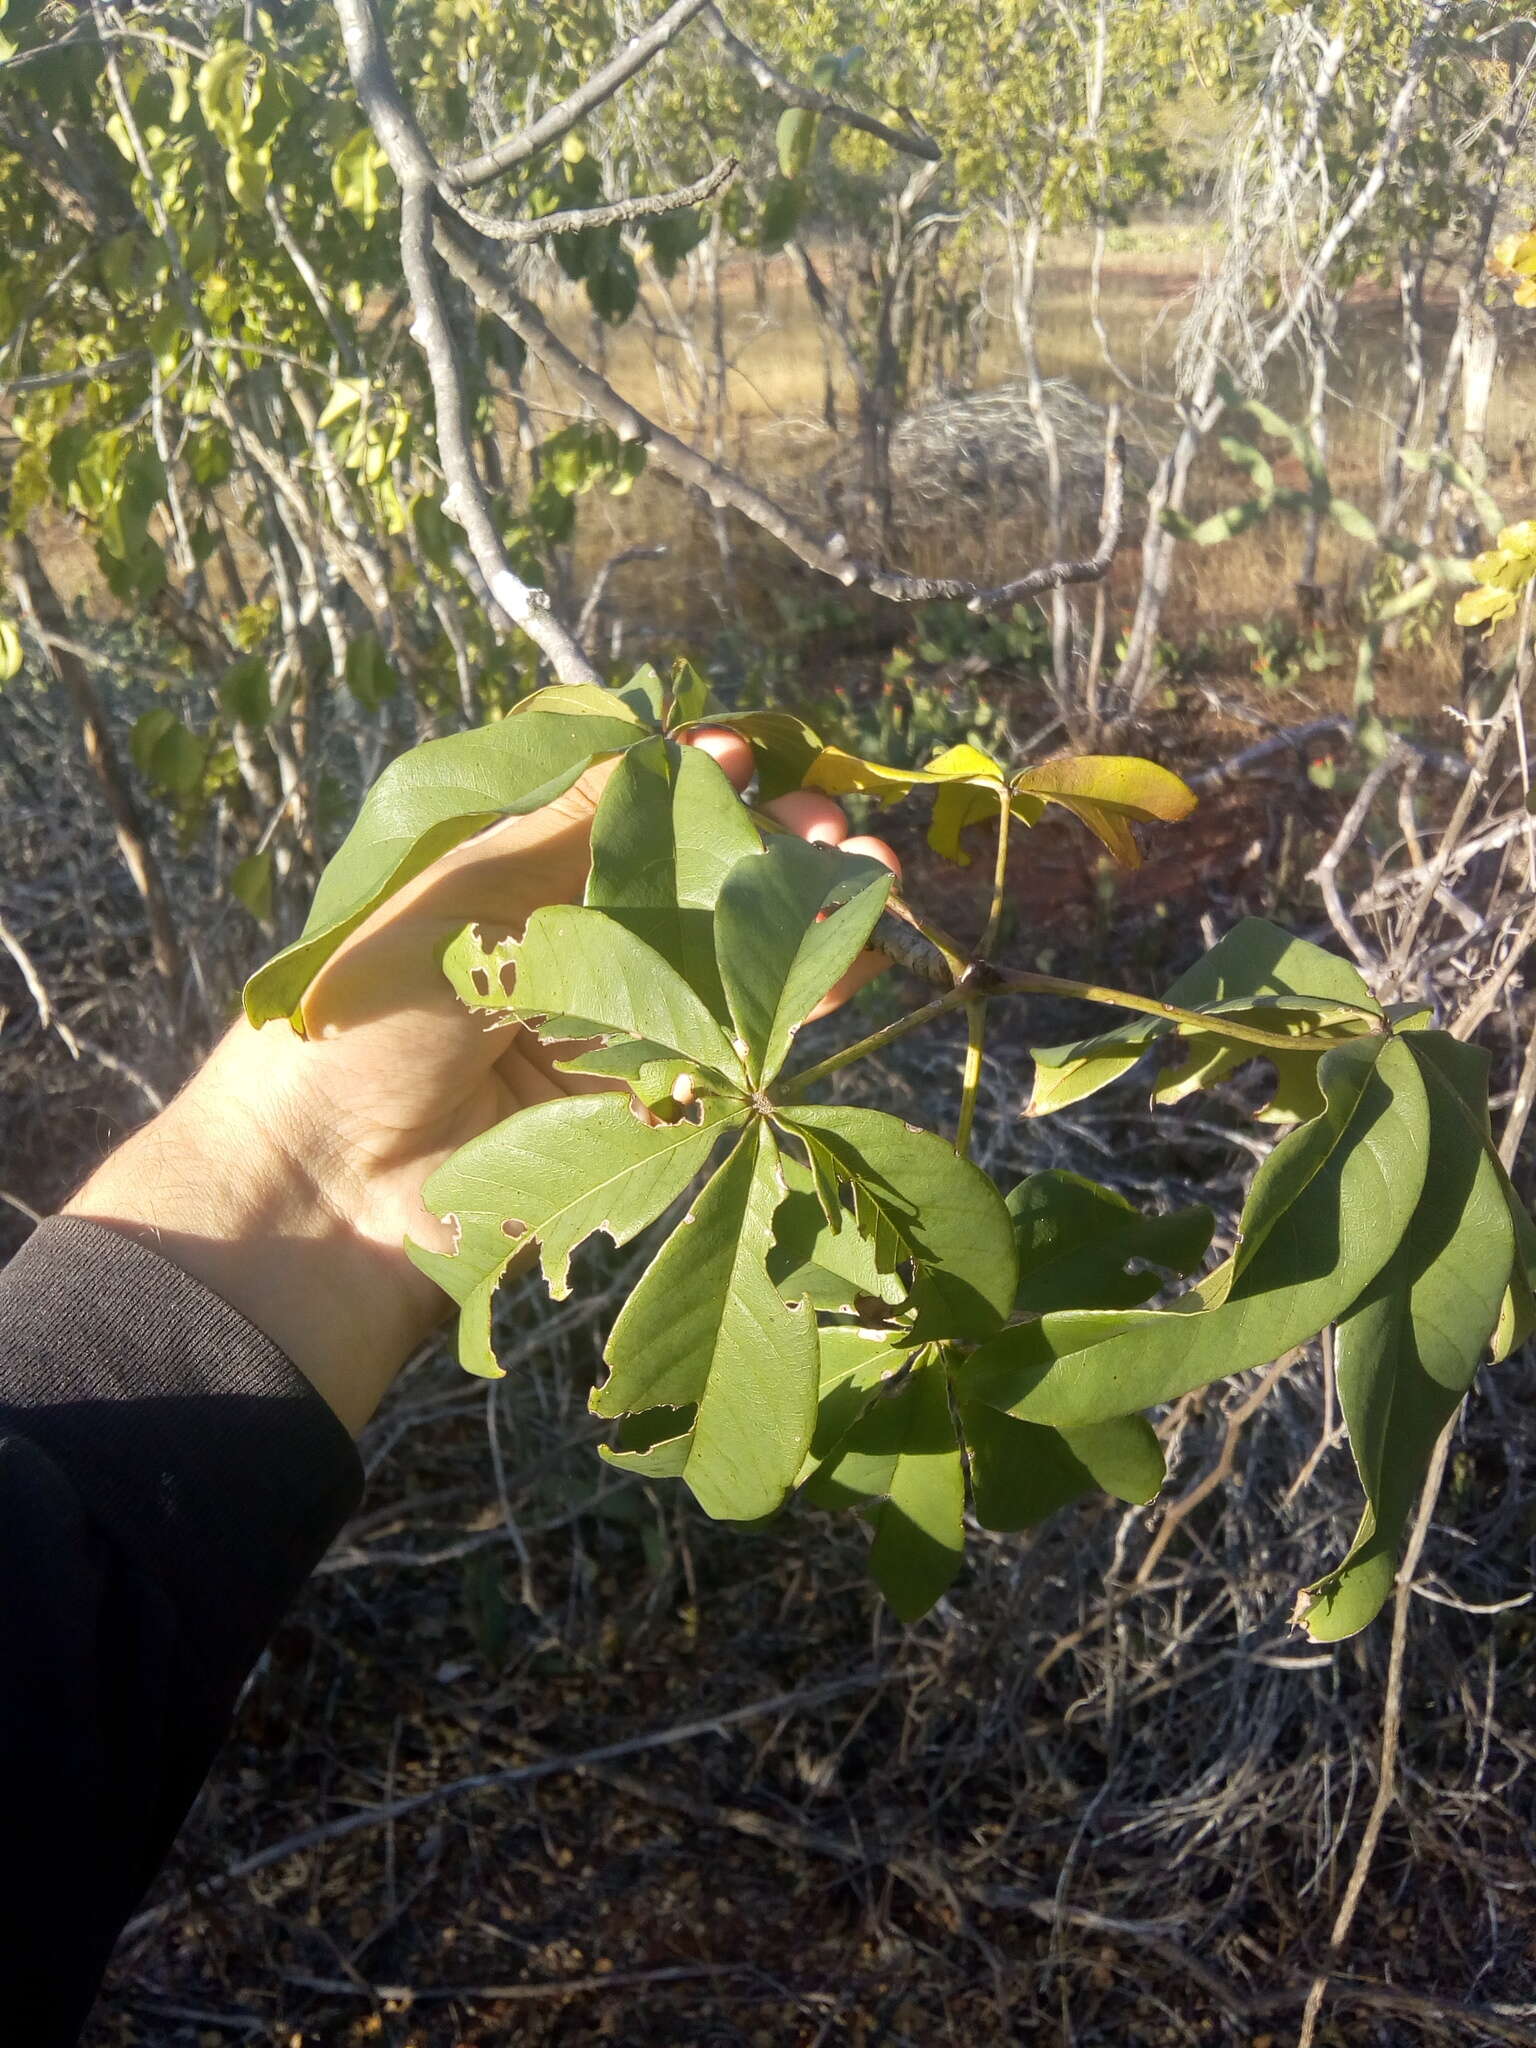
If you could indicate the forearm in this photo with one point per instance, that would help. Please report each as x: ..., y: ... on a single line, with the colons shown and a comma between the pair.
x: 250, y: 1181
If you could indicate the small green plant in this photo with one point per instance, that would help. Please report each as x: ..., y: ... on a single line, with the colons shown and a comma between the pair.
x: 848, y: 1307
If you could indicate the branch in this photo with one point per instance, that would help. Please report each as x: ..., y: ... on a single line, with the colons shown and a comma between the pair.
x: 602, y: 85
x: 911, y: 140
x: 594, y: 600
x: 576, y: 217
x: 496, y: 294
x: 467, y: 501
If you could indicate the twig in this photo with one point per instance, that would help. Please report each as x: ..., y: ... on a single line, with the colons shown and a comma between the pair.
x: 1326, y: 873
x: 593, y: 604
x: 557, y: 1987
x: 573, y: 219
x: 1391, y: 1730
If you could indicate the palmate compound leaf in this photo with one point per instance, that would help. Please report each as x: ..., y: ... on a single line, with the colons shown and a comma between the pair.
x: 1409, y: 1347
x: 790, y: 921
x: 1105, y: 791
x: 707, y: 1330
x: 1077, y: 1241
x: 1327, y: 1210
x: 425, y: 803
x: 1256, y: 974
x: 552, y: 1175
x: 920, y: 1203
x: 901, y: 1457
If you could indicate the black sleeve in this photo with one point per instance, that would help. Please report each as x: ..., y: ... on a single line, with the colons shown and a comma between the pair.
x: 167, y: 1481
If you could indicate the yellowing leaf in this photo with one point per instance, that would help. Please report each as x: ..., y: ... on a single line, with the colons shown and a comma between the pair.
x: 841, y: 774
x: 1520, y: 540
x: 1485, y: 606
x: 1106, y: 791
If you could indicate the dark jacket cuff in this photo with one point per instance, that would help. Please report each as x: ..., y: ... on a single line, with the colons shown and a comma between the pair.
x: 190, y: 1439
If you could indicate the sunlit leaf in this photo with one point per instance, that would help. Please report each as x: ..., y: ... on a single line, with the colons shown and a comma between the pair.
x: 1326, y: 1211
x: 668, y: 830
x: 919, y: 1201
x: 1409, y: 1347
x: 791, y: 919
x: 707, y: 1328
x: 552, y: 1175
x: 421, y: 806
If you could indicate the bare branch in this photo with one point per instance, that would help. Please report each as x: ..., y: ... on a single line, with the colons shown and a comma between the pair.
x: 467, y: 500
x: 911, y: 140
x: 722, y: 487
x: 599, y: 590
x: 602, y: 85
x: 569, y: 222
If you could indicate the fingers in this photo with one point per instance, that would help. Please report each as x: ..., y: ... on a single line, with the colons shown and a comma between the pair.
x: 728, y: 749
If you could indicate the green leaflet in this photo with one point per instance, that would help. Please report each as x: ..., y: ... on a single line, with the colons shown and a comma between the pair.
x: 854, y: 1363
x: 591, y: 978
x: 1075, y: 1239
x: 553, y: 1174
x: 1409, y: 1347
x: 421, y: 806
x: 1327, y: 1209
x: 831, y: 1265
x: 903, y: 1452
x: 1021, y: 1472
x: 776, y: 960
x: 920, y: 1201
x: 706, y: 1325
x: 1250, y: 973
x: 669, y: 828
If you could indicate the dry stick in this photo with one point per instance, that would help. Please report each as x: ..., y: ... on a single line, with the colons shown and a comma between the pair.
x: 1519, y: 1112
x: 518, y: 147
x: 976, y: 1015
x: 1221, y: 1470
x: 40, y: 602
x: 50, y: 1019
x: 418, y: 175
x: 1391, y: 1729
x: 1326, y: 873
x: 504, y: 1780
x: 573, y: 219
x: 515, y: 1994
x: 496, y: 294
x: 1471, y: 790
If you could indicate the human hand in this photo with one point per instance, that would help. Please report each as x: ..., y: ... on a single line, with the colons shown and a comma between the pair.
x: 287, y: 1173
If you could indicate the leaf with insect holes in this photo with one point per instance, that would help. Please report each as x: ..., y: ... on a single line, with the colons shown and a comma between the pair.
x: 920, y: 1203
x: 552, y: 1175
x: 1327, y: 1210
x: 1077, y: 1240
x: 1023, y: 1472
x: 586, y: 976
x: 1409, y: 1347
x: 901, y: 1457
x: 668, y: 830
x: 706, y: 1328
x: 427, y: 802
x: 1257, y: 974
x: 790, y: 921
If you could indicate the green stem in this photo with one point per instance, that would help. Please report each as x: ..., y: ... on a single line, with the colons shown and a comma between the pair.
x: 796, y: 1084
x: 970, y: 1079
x: 1017, y: 981
x: 976, y: 1015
